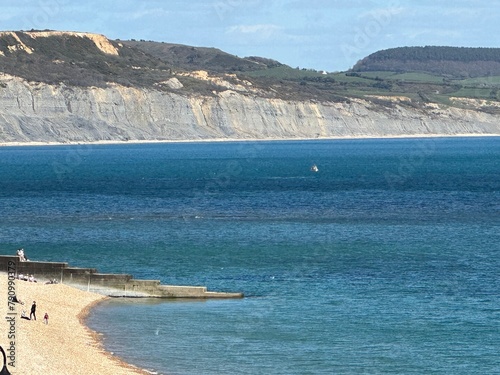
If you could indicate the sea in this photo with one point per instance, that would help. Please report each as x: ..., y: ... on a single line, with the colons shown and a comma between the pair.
x: 386, y: 260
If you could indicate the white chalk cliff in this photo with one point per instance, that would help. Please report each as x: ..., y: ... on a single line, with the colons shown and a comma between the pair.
x: 36, y: 112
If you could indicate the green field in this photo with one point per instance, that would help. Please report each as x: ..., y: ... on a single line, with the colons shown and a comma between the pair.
x: 486, y: 81
x: 284, y: 72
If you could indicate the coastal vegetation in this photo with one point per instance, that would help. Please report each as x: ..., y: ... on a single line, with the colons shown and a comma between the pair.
x: 450, y: 62
x: 421, y: 74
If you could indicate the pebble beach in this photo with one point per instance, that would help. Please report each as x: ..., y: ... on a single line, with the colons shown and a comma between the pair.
x: 63, y: 346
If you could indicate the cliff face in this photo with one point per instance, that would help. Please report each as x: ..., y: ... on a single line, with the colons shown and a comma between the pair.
x: 36, y: 112
x: 79, y: 87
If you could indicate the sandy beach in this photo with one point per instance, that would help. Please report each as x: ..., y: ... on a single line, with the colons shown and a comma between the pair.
x: 64, y: 346
x: 116, y: 142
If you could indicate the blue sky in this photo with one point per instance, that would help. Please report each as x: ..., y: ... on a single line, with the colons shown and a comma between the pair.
x: 319, y: 34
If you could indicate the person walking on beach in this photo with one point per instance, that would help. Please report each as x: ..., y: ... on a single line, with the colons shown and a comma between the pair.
x: 33, y: 310
x: 46, y: 318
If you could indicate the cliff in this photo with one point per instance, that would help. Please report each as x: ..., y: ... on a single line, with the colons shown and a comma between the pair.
x: 80, y: 87
x: 37, y: 112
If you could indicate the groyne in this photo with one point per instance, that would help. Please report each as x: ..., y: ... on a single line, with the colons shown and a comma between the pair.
x: 113, y: 285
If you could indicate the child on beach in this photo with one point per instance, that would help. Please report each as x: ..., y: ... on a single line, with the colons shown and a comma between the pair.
x: 46, y: 318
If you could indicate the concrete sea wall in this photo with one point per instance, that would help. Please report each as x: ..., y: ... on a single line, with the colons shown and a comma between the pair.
x: 113, y: 285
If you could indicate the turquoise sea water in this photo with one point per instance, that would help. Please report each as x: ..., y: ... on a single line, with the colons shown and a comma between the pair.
x: 385, y: 261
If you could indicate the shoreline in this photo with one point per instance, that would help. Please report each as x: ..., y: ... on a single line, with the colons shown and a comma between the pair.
x: 66, y: 345
x: 215, y: 140
x: 97, y: 338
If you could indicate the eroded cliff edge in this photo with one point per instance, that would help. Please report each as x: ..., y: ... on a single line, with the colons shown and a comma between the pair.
x: 40, y: 112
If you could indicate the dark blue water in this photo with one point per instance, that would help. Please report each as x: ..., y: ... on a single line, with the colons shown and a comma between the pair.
x: 384, y: 261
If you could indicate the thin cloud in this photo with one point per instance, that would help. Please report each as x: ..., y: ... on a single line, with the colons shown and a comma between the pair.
x: 146, y: 13
x: 434, y: 33
x: 462, y: 12
x: 329, y: 4
x: 381, y: 13
x: 260, y: 30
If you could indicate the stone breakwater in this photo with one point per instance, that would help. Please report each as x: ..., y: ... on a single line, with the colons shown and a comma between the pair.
x: 37, y: 112
x: 112, y: 285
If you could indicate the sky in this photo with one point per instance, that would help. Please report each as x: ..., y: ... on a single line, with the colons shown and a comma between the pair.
x: 329, y: 35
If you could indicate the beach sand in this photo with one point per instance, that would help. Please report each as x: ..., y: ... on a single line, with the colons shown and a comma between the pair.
x: 64, y: 346
x: 209, y: 140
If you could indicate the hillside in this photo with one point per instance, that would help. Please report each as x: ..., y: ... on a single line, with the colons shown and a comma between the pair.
x: 81, y: 87
x: 449, y: 62
x: 426, y: 74
x: 77, y: 59
x: 201, y: 58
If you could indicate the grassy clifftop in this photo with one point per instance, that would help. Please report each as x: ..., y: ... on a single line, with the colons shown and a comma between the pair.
x: 76, y: 59
x: 420, y: 74
x: 201, y: 58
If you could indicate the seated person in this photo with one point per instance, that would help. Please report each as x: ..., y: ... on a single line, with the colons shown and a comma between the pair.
x: 20, y: 254
x: 16, y: 300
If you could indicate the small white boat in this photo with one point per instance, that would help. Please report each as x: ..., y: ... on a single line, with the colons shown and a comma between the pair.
x: 314, y: 168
